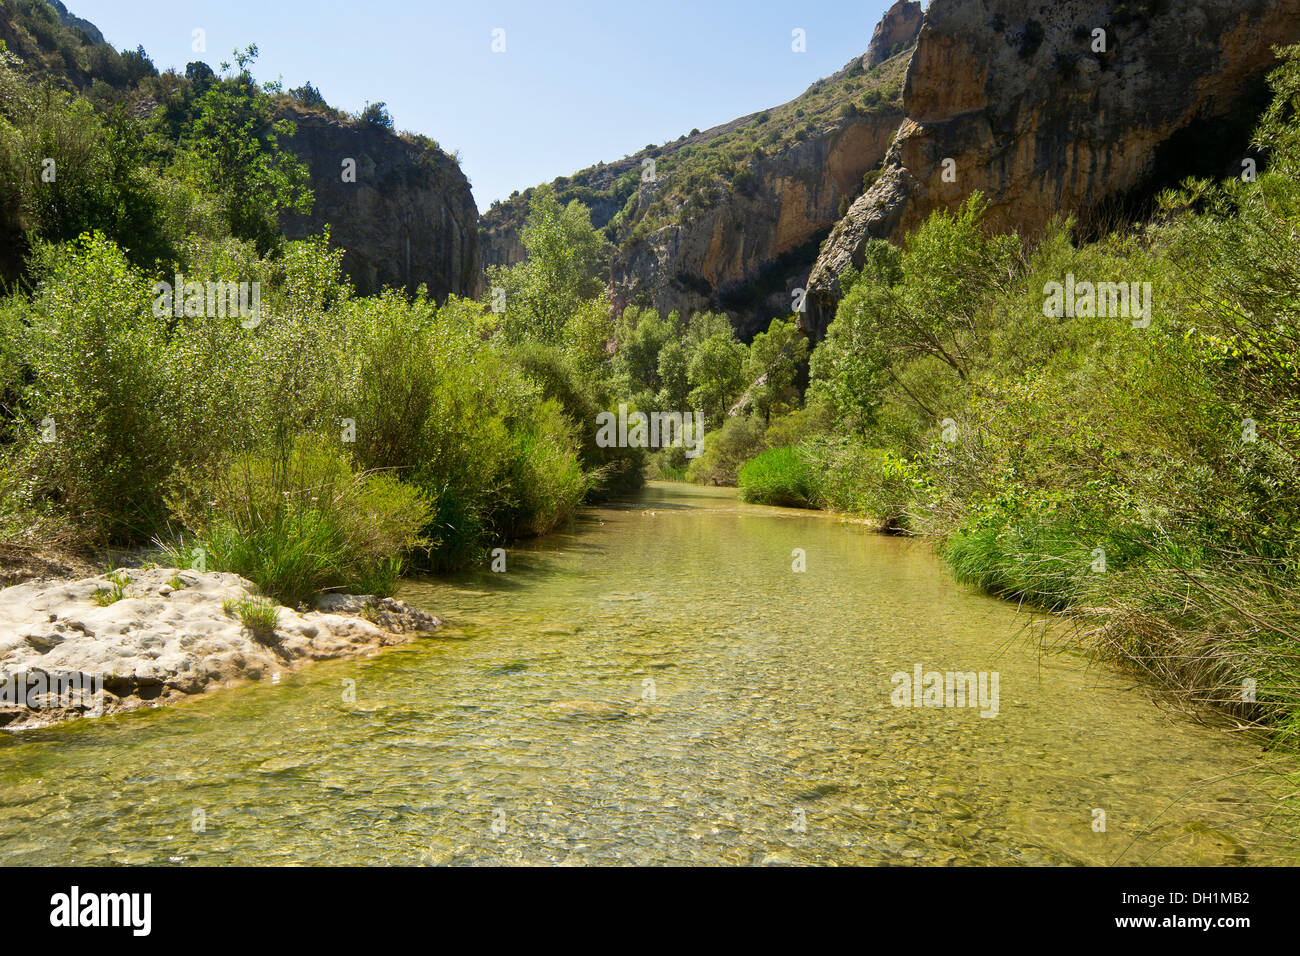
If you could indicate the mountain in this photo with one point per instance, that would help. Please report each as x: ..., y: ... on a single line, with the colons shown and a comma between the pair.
x: 731, y: 218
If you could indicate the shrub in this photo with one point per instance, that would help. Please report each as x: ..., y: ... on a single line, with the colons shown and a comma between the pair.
x: 542, y: 484
x: 101, y: 382
x: 376, y: 115
x: 725, y: 450
x: 305, y: 521
x: 779, y: 476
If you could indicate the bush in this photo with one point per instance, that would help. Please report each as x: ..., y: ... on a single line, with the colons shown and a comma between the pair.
x: 779, y: 476
x: 542, y: 483
x: 305, y: 521
x: 725, y: 450
x: 100, y: 434
x: 376, y: 115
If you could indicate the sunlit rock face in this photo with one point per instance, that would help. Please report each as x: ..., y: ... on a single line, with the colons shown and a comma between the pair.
x: 731, y: 256
x: 1060, y: 108
x: 896, y: 30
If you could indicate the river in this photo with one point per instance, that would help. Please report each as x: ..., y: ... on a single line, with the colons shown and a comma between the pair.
x: 657, y: 684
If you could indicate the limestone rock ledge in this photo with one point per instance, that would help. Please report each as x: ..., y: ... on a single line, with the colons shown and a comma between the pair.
x: 161, y: 643
x: 1017, y: 99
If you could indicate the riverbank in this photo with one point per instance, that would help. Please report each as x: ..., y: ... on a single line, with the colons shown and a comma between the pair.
x: 141, y: 637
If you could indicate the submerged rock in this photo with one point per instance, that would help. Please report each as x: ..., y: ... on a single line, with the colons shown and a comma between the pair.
x: 68, y: 648
x: 587, y: 710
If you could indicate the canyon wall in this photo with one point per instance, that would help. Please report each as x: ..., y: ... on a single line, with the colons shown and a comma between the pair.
x: 1070, y: 107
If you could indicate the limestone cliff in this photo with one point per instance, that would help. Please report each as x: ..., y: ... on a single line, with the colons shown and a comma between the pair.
x: 731, y: 218
x: 408, y: 219
x: 745, y: 255
x: 1066, y: 107
x: 894, y: 33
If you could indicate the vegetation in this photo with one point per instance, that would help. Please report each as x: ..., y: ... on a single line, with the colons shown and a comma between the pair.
x: 1142, y: 477
x: 1139, y: 473
x: 259, y: 615
x: 326, y: 441
x: 700, y: 170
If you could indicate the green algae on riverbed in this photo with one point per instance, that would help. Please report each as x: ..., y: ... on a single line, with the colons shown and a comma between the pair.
x: 656, y: 685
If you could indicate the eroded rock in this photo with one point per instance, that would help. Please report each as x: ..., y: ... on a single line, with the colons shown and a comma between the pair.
x: 161, y: 642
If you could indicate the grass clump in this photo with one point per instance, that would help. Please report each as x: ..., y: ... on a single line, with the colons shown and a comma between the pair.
x: 779, y: 476
x: 308, y: 522
x: 259, y: 615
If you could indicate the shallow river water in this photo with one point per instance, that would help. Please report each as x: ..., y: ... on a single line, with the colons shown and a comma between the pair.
x: 655, y: 684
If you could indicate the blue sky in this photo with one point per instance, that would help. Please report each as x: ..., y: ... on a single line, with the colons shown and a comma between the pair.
x: 579, y: 81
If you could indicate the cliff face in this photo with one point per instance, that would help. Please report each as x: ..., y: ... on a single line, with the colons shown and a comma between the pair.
x: 745, y: 254
x: 733, y: 217
x: 409, y: 218
x: 1019, y: 95
x: 895, y: 31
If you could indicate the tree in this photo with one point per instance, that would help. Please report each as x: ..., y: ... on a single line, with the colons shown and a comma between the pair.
x: 639, y: 336
x: 849, y: 368
x: 717, y: 376
x: 562, y: 270
x: 232, y: 149
x: 674, y: 378
x: 952, y: 268
x: 774, y: 359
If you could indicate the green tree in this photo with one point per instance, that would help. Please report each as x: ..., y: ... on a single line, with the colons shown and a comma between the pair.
x: 717, y: 376
x: 674, y: 377
x: 772, y: 364
x: 562, y: 270
x: 232, y: 148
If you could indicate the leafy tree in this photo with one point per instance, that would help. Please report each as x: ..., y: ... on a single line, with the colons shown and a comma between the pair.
x: 774, y: 359
x: 952, y: 268
x: 639, y: 336
x: 565, y: 258
x: 674, y: 377
x: 717, y: 376
x: 232, y: 148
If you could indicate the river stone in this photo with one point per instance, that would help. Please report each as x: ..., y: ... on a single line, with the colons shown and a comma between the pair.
x: 587, y: 709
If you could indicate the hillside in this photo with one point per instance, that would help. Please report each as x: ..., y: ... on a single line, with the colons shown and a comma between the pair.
x: 735, y: 213
x: 402, y: 178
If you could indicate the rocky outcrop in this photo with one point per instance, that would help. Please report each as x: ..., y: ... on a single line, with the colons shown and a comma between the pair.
x: 896, y: 30
x: 745, y: 254
x: 66, y: 650
x: 407, y: 220
x: 734, y: 216
x: 1036, y: 113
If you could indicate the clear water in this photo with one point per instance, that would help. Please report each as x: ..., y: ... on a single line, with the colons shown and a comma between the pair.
x: 655, y: 685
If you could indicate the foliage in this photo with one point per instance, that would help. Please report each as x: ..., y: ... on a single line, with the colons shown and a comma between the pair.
x: 779, y: 476
x: 564, y: 258
x: 306, y: 521
x: 726, y: 449
x: 232, y: 146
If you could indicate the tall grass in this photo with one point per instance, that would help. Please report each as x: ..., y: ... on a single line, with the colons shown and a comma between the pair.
x: 779, y: 476
x: 305, y: 522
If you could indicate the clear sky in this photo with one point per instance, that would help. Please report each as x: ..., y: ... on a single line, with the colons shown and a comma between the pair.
x: 579, y: 80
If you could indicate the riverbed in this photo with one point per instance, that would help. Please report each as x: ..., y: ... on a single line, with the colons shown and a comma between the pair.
x: 659, y: 684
